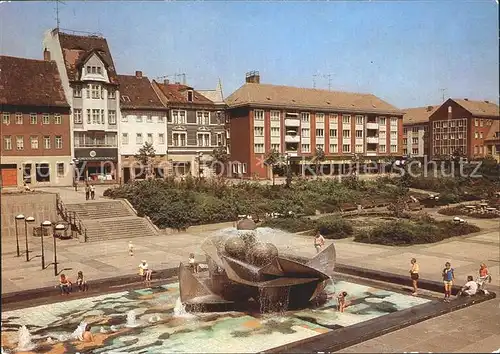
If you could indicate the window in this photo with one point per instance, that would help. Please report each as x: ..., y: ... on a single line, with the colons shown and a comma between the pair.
x: 149, y: 119
x: 452, y: 123
x: 42, y: 172
x: 27, y: 172
x: 58, y: 142
x: 179, y: 139
x: 258, y: 131
x: 258, y: 114
x: 33, y: 118
x: 476, y: 135
x: 346, y: 148
x: 359, y: 120
x: 381, y: 120
x: 124, y: 138
x: 88, y: 91
x: 138, y: 139
x: 476, y: 122
x: 57, y: 119
x: 480, y: 135
x: 190, y: 96
x: 19, y: 118
x: 19, y: 142
x: 161, y: 119
x: 60, y: 169
x: 394, y: 121
x: 34, y: 142
x: 77, y: 91
x: 481, y: 122
x: 346, y: 133
x: 405, y: 141
x: 381, y: 148
x: 320, y: 132
x: 334, y: 148
x: 414, y: 129
x: 179, y: 117
x: 6, y: 118
x: 111, y: 117
x: 445, y: 125
x: 219, y: 139
x: 346, y: 119
x: 203, y: 118
x: 394, y: 148
x: 149, y: 138
x: 359, y: 133
x: 414, y: 151
x: 161, y: 138
x: 405, y: 151
x: 275, y: 147
x: 394, y: 135
x: 96, y: 116
x: 476, y: 149
x: 382, y: 135
x: 334, y: 119
x: 46, y: 142
x: 275, y: 115
x: 203, y: 139
x: 306, y: 148
x: 414, y: 140
x: 305, y: 132
x: 320, y: 147
x: 275, y: 131
x: 359, y: 148
x: 333, y: 133
x: 111, y: 94
x: 405, y: 131
x: 320, y: 117
x: 258, y: 148
x: 304, y: 117
x: 45, y: 119
x: 89, y: 116
x: 7, y: 142
x: 96, y: 91
x: 138, y: 119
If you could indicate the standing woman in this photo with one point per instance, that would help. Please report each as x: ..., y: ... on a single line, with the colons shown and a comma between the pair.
x: 415, y: 269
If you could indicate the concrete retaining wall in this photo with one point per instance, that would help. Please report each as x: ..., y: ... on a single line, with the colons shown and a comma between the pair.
x: 42, y: 206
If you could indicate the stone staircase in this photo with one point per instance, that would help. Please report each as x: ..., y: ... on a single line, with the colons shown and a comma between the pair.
x: 111, y: 219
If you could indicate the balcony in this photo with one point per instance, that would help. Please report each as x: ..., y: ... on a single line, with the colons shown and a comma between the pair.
x: 372, y: 139
x: 295, y: 139
x: 292, y: 122
x: 94, y: 145
x: 372, y: 126
x: 371, y: 153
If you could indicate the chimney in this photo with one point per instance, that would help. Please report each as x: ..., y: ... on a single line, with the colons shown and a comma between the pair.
x: 486, y: 101
x: 466, y: 99
x: 46, y: 55
x: 429, y: 108
x: 252, y: 77
x: 138, y: 74
x: 166, y: 82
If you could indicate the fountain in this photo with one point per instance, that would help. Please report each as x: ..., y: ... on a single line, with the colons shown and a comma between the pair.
x: 24, y: 343
x: 131, y: 319
x: 180, y: 310
x: 78, y: 332
x: 244, y: 264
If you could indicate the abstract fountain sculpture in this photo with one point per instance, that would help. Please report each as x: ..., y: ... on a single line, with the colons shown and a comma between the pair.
x: 243, y: 267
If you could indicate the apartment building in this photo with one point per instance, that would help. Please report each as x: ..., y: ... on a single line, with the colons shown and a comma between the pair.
x: 297, y: 121
x: 217, y: 97
x: 35, y: 128
x: 143, y: 120
x: 461, y: 125
x: 91, y: 87
x: 492, y: 141
x: 195, y: 128
x: 415, y: 131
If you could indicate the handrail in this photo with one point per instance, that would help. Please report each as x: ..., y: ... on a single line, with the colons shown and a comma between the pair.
x: 66, y: 215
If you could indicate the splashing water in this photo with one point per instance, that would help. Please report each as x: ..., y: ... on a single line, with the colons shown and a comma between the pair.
x: 262, y: 234
x: 131, y: 319
x: 24, y: 343
x: 78, y: 333
x: 180, y: 310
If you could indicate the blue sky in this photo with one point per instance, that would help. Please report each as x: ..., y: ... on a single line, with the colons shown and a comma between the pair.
x: 403, y: 52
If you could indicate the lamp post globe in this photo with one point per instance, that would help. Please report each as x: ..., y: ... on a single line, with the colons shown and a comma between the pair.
x: 17, y: 218
x: 27, y: 220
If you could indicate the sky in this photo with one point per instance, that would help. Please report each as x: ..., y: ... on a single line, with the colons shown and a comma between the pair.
x: 404, y: 52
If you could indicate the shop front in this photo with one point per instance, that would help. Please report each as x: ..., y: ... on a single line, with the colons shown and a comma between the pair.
x: 96, y: 164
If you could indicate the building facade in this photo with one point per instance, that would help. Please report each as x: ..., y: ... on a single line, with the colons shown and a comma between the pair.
x: 461, y: 126
x: 35, y: 127
x: 195, y: 128
x: 298, y: 121
x: 143, y: 120
x: 492, y: 141
x: 91, y: 87
x: 416, y: 131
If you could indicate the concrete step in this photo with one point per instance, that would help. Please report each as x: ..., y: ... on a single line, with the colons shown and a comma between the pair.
x: 101, y: 209
x: 117, y: 228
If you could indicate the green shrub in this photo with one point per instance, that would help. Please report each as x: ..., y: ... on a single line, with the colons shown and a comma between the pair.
x: 459, y: 210
x: 334, y: 227
x: 291, y: 224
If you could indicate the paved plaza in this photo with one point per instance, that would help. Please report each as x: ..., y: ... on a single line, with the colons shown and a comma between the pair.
x: 456, y: 331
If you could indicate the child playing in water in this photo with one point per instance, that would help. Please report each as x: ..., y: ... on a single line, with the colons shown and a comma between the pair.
x: 341, y: 301
x: 192, y: 263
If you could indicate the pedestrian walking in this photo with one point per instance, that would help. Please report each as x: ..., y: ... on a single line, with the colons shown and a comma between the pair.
x: 92, y: 191
x: 414, y: 275
x: 130, y: 248
x: 319, y: 242
x: 448, y: 278
x: 87, y: 191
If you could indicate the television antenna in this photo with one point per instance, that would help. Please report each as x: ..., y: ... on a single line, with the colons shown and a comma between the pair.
x: 177, y: 77
x: 57, y: 11
x: 324, y: 76
x: 443, y: 91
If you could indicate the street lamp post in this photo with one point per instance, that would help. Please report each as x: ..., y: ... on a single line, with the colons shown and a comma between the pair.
x: 199, y: 155
x: 43, y: 225
x: 26, y: 221
x: 18, y: 217
x: 58, y: 229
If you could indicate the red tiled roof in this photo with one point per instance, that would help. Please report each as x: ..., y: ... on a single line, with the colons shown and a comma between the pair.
x: 177, y: 93
x: 418, y: 115
x: 479, y: 108
x: 494, y: 132
x: 76, y: 49
x: 137, y: 93
x: 30, y: 82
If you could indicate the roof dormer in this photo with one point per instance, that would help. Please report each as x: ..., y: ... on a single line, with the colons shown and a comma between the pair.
x: 94, y: 69
x: 190, y: 95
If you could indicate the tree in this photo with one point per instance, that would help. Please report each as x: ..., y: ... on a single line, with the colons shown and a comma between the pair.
x: 318, y: 158
x: 275, y: 160
x: 221, y: 158
x: 146, y: 153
